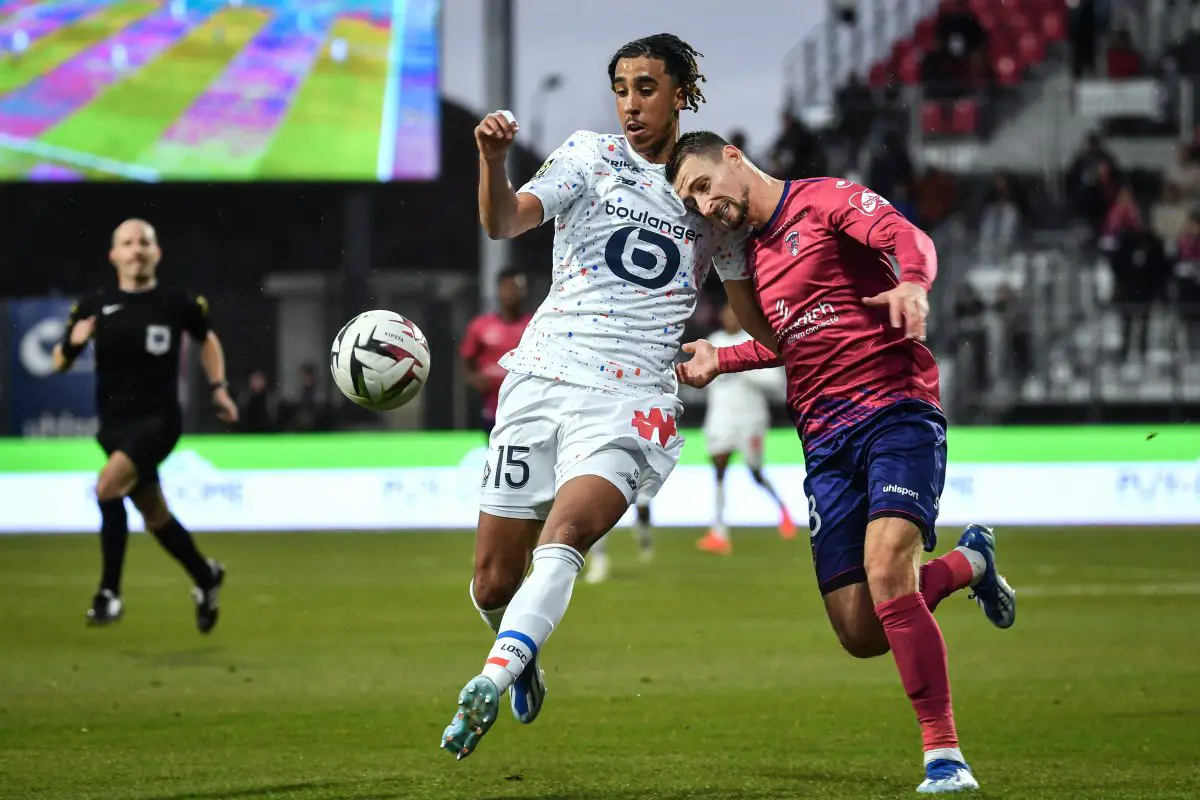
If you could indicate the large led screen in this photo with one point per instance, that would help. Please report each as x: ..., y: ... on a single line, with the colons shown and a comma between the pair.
x: 218, y: 90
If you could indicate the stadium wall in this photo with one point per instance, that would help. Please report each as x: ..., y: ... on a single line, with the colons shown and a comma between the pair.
x: 1063, y: 476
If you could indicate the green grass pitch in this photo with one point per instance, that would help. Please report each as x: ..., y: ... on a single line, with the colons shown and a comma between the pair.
x: 338, y: 658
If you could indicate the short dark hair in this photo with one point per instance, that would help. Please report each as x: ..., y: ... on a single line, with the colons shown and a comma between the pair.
x: 679, y: 60
x: 694, y: 143
x: 512, y: 272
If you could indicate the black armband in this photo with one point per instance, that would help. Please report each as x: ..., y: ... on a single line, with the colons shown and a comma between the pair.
x: 71, y: 351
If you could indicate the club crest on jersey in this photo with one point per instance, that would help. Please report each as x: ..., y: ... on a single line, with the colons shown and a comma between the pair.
x: 542, y: 169
x: 793, y: 243
x: 867, y: 202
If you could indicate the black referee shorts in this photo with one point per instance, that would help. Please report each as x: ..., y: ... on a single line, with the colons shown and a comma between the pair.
x: 147, y: 440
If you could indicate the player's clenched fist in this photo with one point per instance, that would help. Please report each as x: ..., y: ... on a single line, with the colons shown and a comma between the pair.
x: 494, y: 134
x: 82, y: 331
x: 704, y: 366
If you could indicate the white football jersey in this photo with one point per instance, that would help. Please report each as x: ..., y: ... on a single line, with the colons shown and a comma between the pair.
x: 738, y: 398
x: 629, y: 261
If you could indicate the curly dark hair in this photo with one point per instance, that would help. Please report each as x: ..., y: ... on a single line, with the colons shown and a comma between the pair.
x: 679, y: 59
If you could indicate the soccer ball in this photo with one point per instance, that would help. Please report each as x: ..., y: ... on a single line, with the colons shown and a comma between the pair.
x: 380, y: 360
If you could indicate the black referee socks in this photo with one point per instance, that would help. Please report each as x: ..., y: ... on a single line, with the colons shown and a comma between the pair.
x: 114, y: 536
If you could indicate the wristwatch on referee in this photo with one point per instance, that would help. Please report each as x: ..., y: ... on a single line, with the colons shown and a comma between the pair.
x: 214, y: 387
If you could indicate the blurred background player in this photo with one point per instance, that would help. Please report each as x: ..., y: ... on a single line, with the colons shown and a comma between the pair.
x: 489, y: 336
x: 598, y: 562
x: 737, y: 420
x: 137, y: 329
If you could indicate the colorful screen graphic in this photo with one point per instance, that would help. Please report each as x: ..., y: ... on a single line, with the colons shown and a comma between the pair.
x: 212, y: 90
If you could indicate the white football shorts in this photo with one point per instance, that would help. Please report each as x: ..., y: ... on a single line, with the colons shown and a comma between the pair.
x: 737, y: 434
x: 548, y: 432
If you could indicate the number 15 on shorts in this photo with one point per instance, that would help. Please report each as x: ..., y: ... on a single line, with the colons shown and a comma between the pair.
x: 508, y: 465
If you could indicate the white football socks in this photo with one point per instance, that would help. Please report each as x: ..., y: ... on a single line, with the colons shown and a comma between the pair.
x: 491, y: 616
x: 534, y: 613
x: 719, y: 515
x: 945, y: 753
x: 642, y: 532
x: 978, y: 563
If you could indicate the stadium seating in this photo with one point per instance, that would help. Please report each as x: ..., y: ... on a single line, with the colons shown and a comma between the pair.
x: 1020, y: 31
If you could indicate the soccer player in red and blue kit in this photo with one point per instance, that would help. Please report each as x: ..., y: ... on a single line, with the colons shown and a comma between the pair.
x: 863, y: 392
x: 489, y: 336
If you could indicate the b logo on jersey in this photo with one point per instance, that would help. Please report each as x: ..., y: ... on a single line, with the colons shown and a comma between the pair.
x: 867, y: 202
x: 793, y: 243
x: 655, y: 256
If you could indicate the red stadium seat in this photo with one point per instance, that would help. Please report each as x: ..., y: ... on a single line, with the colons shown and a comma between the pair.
x: 878, y: 78
x: 964, y: 120
x: 924, y: 33
x: 901, y: 48
x: 989, y: 21
x: 1054, y: 24
x: 1019, y: 22
x: 933, y: 120
x: 908, y: 69
x: 1032, y: 48
x: 1004, y: 67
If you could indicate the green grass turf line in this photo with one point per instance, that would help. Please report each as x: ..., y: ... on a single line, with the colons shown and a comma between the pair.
x: 65, y: 43
x: 338, y: 657
x: 129, y: 117
x: 332, y: 129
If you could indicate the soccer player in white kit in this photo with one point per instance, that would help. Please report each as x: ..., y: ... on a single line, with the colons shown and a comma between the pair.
x: 587, y: 415
x: 598, y: 562
x: 737, y: 420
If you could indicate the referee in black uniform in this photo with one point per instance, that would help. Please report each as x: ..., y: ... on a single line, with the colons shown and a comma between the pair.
x: 137, y: 328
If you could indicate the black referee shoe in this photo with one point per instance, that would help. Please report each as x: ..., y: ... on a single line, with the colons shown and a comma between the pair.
x: 206, y: 599
x: 106, y: 608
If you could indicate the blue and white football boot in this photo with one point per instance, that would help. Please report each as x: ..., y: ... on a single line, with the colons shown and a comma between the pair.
x: 992, y: 592
x: 944, y: 776
x: 478, y: 703
x: 528, y: 692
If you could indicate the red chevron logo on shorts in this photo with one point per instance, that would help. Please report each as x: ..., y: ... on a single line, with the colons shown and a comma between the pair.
x: 647, y: 424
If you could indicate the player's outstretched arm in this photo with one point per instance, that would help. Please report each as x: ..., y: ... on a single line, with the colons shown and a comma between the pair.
x: 708, y: 362
x: 212, y: 358
x: 740, y: 294
x: 503, y: 212
x: 78, y: 333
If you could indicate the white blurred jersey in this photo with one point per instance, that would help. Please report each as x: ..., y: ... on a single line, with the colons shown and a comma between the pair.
x: 741, y: 399
x: 629, y: 261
